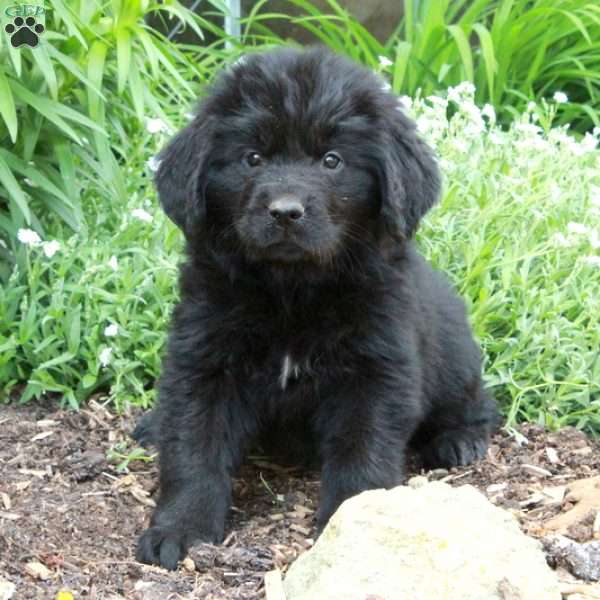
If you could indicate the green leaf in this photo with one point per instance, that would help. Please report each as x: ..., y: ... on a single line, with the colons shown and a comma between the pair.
x: 489, y: 60
x: 65, y: 14
x: 45, y: 107
x: 40, y: 56
x: 95, y: 71
x: 14, y: 190
x: 403, y: 51
x: 123, y: 57
x: 137, y: 92
x: 58, y: 360
x: 7, y: 107
x: 74, y: 333
x: 464, y: 49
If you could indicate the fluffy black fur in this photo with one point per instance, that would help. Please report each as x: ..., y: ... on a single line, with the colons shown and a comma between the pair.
x: 306, y: 314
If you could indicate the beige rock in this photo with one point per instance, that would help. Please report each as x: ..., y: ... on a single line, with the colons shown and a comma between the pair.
x: 433, y: 542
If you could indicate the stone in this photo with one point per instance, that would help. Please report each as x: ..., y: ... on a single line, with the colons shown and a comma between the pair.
x: 583, y: 560
x: 434, y: 541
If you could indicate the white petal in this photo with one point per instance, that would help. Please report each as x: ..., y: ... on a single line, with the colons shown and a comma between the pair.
x: 142, y: 215
x: 385, y: 62
x: 560, y: 97
x: 111, y: 330
x: 51, y: 248
x: 153, y: 163
x: 29, y: 237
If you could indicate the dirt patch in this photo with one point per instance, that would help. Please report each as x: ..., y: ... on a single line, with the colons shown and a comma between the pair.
x: 69, y: 518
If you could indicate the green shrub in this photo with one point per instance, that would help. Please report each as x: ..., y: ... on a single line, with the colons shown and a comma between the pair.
x: 69, y: 107
x: 88, y: 311
x: 513, y: 51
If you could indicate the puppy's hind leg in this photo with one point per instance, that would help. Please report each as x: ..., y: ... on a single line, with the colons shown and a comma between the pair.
x: 457, y: 433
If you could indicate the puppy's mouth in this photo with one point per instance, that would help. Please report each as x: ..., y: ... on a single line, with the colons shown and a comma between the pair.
x: 284, y: 251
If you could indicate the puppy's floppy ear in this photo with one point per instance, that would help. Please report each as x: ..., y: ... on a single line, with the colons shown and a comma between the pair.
x: 180, y: 179
x: 409, y: 178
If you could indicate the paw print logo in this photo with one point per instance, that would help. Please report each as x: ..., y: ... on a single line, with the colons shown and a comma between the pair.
x: 24, y: 31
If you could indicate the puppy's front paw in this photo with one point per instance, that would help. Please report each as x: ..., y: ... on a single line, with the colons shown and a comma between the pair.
x: 454, y: 449
x: 161, y: 546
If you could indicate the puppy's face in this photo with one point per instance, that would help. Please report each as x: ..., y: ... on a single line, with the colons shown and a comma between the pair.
x: 293, y: 187
x: 297, y: 156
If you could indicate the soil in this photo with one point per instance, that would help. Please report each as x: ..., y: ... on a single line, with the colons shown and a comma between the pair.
x: 72, y: 506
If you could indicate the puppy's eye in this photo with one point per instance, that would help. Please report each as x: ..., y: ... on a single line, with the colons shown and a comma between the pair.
x: 254, y: 159
x: 332, y: 160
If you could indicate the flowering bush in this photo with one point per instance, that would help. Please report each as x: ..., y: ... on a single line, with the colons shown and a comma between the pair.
x: 517, y: 230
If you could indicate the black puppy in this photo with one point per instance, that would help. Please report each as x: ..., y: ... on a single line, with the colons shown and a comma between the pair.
x: 306, y: 312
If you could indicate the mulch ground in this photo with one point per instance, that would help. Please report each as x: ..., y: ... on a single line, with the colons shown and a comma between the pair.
x: 70, y: 514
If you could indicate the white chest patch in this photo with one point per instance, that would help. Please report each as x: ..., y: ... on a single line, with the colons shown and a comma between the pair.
x: 289, y: 369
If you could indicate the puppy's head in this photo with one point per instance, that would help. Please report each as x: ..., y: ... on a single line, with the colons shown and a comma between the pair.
x: 297, y: 156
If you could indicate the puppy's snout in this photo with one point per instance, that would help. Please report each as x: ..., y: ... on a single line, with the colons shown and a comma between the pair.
x: 286, y: 209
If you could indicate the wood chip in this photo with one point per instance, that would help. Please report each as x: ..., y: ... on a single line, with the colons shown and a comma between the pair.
x: 6, y: 500
x: 535, y: 470
x: 274, y: 585
x: 38, y: 570
x: 494, y: 488
x: 41, y: 436
x: 584, y: 494
x: 141, y: 495
x: 277, y: 517
x: 34, y: 472
x: 596, y: 526
x: 9, y: 516
x: 570, y: 590
x: 188, y: 564
x: 303, y: 509
x: 43, y: 423
x: 552, y: 455
x: 22, y: 485
x: 303, y: 530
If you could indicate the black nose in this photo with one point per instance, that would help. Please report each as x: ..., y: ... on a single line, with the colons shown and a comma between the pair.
x: 286, y: 210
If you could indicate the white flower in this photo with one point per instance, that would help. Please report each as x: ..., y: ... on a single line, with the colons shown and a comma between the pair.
x: 588, y: 143
x: 496, y: 138
x: 142, y: 215
x: 153, y: 163
x: 51, y: 248
x: 463, y: 90
x: 113, y: 263
x: 29, y: 182
x: 437, y: 101
x: 28, y: 237
x: 111, y: 330
x: 405, y: 102
x: 190, y: 116
x: 577, y: 228
x: 594, y: 239
x: 592, y: 260
x: 156, y: 125
x: 555, y: 192
x: 489, y: 112
x: 385, y: 86
x: 558, y: 239
x: 531, y: 106
x: 105, y: 357
x: 240, y: 61
x: 385, y: 62
x: 560, y: 97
